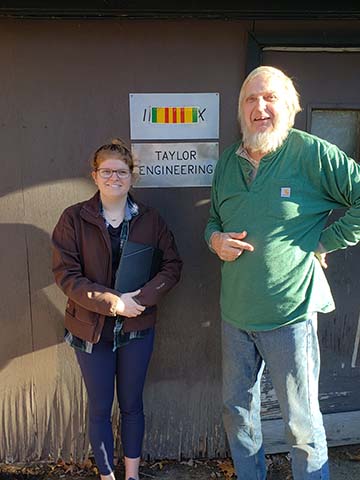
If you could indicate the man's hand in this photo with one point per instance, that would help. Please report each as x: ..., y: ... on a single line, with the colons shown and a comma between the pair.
x: 322, y: 259
x: 229, y: 246
x: 127, y: 306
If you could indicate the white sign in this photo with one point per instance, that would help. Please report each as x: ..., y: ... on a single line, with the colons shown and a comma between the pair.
x: 176, y: 164
x: 173, y: 116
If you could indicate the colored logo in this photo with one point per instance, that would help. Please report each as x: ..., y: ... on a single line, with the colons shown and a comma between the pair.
x: 285, y: 192
x: 174, y: 115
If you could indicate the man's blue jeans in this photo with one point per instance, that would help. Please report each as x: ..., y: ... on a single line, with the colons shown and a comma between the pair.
x: 291, y: 354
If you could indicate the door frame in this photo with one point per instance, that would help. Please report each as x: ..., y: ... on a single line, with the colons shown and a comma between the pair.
x: 256, y: 43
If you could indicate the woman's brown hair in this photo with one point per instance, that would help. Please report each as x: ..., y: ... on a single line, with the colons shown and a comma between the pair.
x: 118, y: 149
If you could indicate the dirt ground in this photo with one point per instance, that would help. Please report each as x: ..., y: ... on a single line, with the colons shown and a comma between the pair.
x: 344, y: 465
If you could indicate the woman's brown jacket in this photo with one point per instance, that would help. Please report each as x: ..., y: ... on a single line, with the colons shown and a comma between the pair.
x: 82, y: 267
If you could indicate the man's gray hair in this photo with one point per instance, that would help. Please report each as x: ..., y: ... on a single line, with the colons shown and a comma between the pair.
x: 291, y: 95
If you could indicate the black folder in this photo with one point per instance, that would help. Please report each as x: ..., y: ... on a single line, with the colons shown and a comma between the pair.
x: 139, y: 263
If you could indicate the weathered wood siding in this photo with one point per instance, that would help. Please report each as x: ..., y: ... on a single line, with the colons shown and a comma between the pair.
x: 65, y: 87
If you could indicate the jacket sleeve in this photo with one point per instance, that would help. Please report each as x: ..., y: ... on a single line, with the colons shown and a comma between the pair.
x: 68, y: 271
x: 169, y: 275
x: 341, y: 181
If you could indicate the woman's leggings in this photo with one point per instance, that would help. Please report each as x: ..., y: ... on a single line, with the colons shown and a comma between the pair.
x: 128, y: 364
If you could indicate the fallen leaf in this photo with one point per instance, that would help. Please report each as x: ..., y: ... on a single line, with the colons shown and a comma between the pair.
x: 227, y: 468
x: 159, y: 465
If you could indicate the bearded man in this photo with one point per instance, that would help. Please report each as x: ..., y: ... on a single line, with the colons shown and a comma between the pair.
x: 271, y: 196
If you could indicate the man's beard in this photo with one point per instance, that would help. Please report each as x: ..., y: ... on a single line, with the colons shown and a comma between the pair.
x: 265, y: 142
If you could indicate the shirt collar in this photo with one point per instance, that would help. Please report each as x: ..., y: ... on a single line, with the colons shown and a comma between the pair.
x: 242, y: 152
x: 131, y: 210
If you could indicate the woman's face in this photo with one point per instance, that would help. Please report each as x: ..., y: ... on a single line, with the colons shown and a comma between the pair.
x: 113, y: 178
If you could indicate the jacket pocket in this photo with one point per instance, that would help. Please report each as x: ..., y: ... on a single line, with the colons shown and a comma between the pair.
x: 75, y: 312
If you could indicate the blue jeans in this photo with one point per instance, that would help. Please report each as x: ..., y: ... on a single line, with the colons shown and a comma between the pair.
x: 128, y: 366
x: 291, y: 354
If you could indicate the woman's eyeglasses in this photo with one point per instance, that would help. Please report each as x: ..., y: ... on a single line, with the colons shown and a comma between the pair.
x: 108, y: 173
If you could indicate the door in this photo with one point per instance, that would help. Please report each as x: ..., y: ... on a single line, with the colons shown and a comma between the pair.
x: 329, y: 92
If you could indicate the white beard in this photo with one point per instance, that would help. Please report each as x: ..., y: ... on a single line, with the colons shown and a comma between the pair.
x: 265, y: 142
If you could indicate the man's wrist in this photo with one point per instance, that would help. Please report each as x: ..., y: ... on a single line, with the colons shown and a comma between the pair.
x: 211, y: 239
x: 320, y: 248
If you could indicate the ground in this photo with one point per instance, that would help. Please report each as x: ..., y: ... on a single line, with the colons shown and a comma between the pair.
x: 344, y: 465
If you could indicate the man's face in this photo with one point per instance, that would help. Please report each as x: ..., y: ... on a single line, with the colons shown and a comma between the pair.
x: 263, y: 105
x: 264, y: 114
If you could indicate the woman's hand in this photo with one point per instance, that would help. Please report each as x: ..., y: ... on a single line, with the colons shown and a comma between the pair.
x: 127, y: 306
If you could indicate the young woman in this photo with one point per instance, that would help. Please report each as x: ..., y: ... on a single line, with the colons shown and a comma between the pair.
x: 112, y: 332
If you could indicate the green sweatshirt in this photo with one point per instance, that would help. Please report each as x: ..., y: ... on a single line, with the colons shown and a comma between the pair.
x: 284, y: 210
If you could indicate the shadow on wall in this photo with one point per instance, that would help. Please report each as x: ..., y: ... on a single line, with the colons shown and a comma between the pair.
x: 31, y: 307
x: 187, y: 332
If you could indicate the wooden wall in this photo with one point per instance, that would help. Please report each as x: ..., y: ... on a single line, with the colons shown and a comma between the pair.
x: 65, y: 87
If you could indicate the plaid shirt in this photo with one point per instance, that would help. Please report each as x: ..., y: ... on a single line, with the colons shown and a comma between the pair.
x: 121, y: 338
